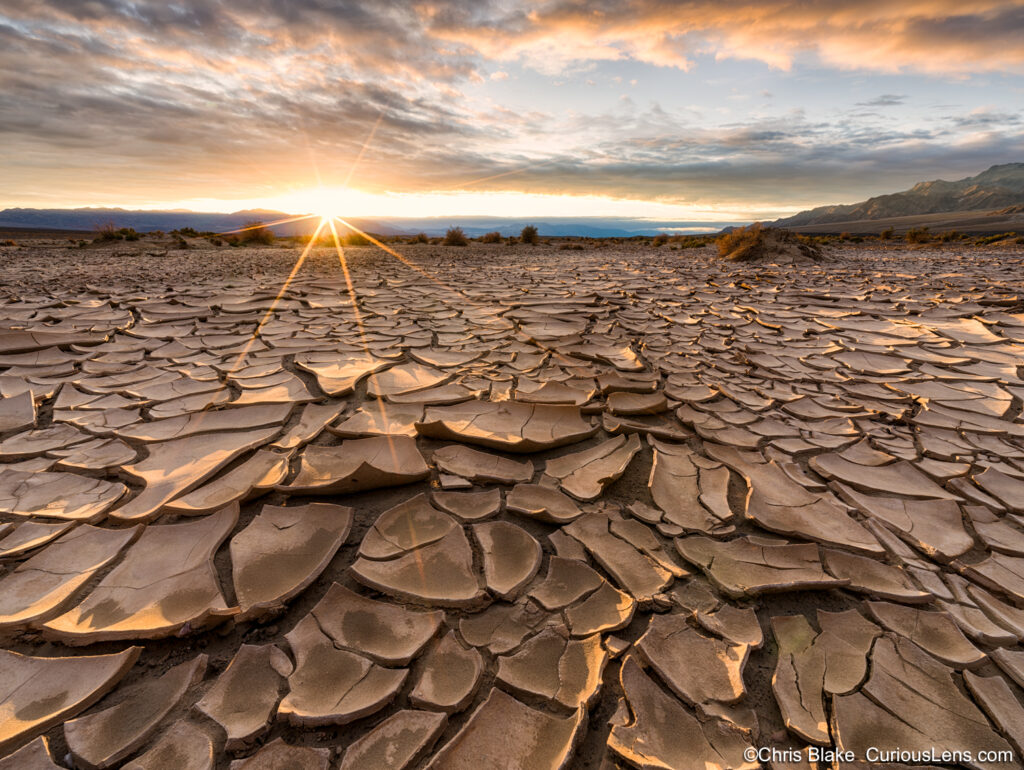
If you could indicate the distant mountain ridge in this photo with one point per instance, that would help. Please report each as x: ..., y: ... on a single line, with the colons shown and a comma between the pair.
x: 89, y: 219
x: 999, y: 187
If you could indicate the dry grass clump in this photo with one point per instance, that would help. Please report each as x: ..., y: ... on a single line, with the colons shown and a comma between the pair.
x: 918, y: 235
x: 493, y: 237
x: 257, y: 234
x: 756, y: 242
x: 529, y: 235
x: 455, y: 237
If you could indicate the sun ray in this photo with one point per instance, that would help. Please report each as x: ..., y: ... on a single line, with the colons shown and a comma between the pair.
x: 280, y: 294
x: 269, y: 224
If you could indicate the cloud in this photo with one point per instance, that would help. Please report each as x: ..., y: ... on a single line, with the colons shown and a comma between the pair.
x: 885, y: 100
x: 111, y: 101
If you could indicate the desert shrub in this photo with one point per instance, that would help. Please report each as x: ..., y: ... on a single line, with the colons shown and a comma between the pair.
x: 571, y: 247
x: 1020, y: 239
x: 886, y: 234
x: 256, y: 234
x: 10, y: 243
x: 216, y: 242
x: 455, y: 237
x: 190, y: 232
x: 690, y: 241
x: 107, y: 232
x: 660, y: 239
x: 755, y: 242
x: 987, y: 239
x: 512, y: 241
x: 918, y: 235
x: 529, y: 235
x: 419, y: 238
x: 494, y: 237
x: 740, y: 238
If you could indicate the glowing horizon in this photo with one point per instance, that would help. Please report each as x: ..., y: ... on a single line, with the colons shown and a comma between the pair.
x: 351, y: 202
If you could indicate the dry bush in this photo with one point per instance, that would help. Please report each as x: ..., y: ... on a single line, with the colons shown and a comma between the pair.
x: 107, y: 232
x: 494, y: 237
x: 529, y: 235
x: 660, y: 239
x: 419, y: 238
x: 886, y: 234
x: 755, y: 242
x: 257, y: 234
x: 918, y: 235
x: 455, y: 237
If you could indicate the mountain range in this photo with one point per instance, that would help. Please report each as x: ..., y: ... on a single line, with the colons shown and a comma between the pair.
x: 89, y: 219
x: 996, y: 191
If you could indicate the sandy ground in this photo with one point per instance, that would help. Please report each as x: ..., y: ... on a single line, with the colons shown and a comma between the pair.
x: 756, y: 337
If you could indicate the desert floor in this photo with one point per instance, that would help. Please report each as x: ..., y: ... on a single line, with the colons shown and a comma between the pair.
x: 513, y: 507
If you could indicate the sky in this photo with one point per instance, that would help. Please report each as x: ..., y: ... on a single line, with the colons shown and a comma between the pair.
x: 704, y: 109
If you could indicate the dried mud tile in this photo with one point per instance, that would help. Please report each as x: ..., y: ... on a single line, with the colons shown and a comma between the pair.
x: 998, y: 572
x: 738, y: 625
x: 934, y: 632
x: 998, y: 701
x: 357, y: 465
x: 899, y: 478
x: 57, y: 495
x: 469, y: 506
x: 543, y: 503
x: 873, y: 577
x: 22, y: 538
x: 103, y: 738
x: 184, y: 746
x: 482, y: 467
x: 278, y: 755
x: 449, y: 678
x: 511, y: 557
x: 312, y: 421
x: 165, y: 582
x: 1008, y: 490
x: 531, y: 738
x: 507, y: 425
x: 258, y: 473
x: 217, y: 421
x: 567, y: 581
x: 911, y: 702
x: 282, y: 551
x: 384, y: 632
x: 798, y: 678
x: 378, y: 418
x: 653, y: 730
x: 45, y: 584
x: 934, y: 527
x: 419, y: 554
x: 606, y: 609
x: 698, y: 668
x: 634, y: 571
x: 585, y: 475
x: 397, y: 742
x: 17, y: 413
x: 38, y: 693
x: 337, y: 374
x: 744, y: 567
x: 557, y: 669
x: 34, y: 755
x: 177, y: 466
x: 333, y: 686
x: 244, y: 697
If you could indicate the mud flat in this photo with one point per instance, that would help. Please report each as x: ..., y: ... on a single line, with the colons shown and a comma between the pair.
x: 616, y: 507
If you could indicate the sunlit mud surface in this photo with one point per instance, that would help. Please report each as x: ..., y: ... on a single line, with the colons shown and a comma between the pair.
x: 508, y: 507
